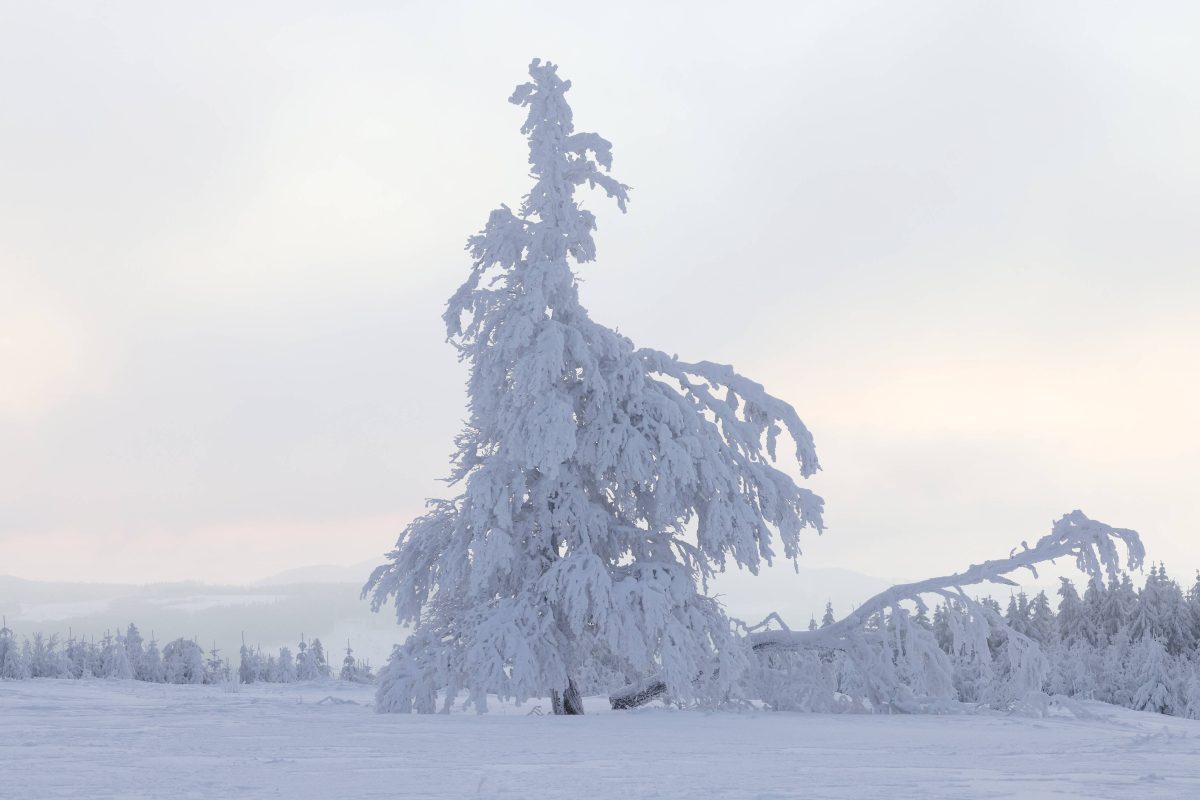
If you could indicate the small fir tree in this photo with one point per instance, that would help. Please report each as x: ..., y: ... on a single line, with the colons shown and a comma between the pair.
x: 320, y: 660
x: 12, y: 663
x: 152, y: 669
x: 827, y: 618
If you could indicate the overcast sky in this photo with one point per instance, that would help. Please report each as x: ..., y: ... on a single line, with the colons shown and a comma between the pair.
x: 961, y: 239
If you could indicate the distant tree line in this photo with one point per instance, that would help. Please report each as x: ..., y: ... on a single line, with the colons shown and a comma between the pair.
x: 129, y: 657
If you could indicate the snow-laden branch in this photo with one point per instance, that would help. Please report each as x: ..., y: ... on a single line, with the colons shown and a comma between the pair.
x: 1091, y: 543
x: 896, y: 663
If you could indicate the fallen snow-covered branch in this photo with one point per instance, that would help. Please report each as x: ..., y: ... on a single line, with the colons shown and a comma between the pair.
x: 896, y: 662
x: 1092, y: 543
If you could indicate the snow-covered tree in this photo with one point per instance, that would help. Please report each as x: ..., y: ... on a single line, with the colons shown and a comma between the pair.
x: 45, y: 660
x: 355, y: 670
x: 134, y: 648
x: 183, y: 662
x: 827, y: 618
x: 1176, y: 633
x: 1193, y: 602
x: 921, y: 617
x: 1191, y: 690
x: 306, y: 664
x: 216, y: 669
x: 604, y: 484
x: 1147, y: 619
x: 284, y: 667
x: 250, y: 664
x: 1118, y: 606
x: 1041, y: 626
x: 74, y: 656
x: 1094, y: 604
x: 1114, y: 683
x: 1075, y: 625
x: 12, y: 662
x: 1074, y: 669
x: 941, y: 627
x: 320, y: 659
x: 114, y: 658
x: 1151, y: 676
x: 1017, y: 613
x: 151, y: 667
x: 349, y: 663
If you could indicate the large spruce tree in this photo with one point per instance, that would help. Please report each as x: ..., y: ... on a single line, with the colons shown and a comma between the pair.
x: 603, y: 483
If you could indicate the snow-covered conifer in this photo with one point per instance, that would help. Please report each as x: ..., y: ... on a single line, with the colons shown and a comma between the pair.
x: 586, y: 462
x: 1119, y: 605
x: 114, y: 658
x: 183, y: 662
x: 1193, y: 601
x: 348, y: 672
x: 941, y: 627
x: 134, y: 648
x: 921, y: 617
x: 1075, y: 625
x: 12, y: 662
x: 45, y: 659
x: 93, y: 661
x: 1041, y: 627
x: 151, y: 667
x: 1191, y: 691
x: 1114, y: 681
x: 355, y: 670
x: 1151, y: 674
x: 1176, y: 620
x: 827, y: 618
x: 1147, y: 618
x: 320, y: 659
x: 1094, y: 604
x: 1074, y: 669
x: 216, y: 669
x: 1017, y: 613
x: 306, y: 665
x: 250, y: 666
x: 284, y: 667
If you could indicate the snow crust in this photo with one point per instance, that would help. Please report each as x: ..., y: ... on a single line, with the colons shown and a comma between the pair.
x: 110, y: 739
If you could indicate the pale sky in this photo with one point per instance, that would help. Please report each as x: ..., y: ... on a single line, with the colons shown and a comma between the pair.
x: 961, y: 239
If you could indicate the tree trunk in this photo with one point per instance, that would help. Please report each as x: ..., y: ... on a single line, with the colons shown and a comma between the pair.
x: 637, y: 694
x: 568, y: 702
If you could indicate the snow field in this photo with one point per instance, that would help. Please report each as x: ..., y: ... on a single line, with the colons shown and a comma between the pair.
x: 126, y: 739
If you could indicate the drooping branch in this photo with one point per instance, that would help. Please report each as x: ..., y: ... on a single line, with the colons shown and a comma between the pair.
x: 1093, y: 545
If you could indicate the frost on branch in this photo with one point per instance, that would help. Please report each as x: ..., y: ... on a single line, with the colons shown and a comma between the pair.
x: 602, y: 484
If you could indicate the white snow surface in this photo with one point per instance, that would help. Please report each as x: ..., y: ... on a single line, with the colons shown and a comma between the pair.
x: 125, y: 739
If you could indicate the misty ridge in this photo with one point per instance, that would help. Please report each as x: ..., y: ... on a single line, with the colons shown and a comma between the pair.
x: 321, y: 601
x: 318, y: 600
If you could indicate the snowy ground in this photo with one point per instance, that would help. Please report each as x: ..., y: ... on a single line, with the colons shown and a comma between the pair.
x: 109, y: 739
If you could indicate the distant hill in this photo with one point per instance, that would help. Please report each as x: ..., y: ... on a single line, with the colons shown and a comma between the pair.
x: 323, y: 573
